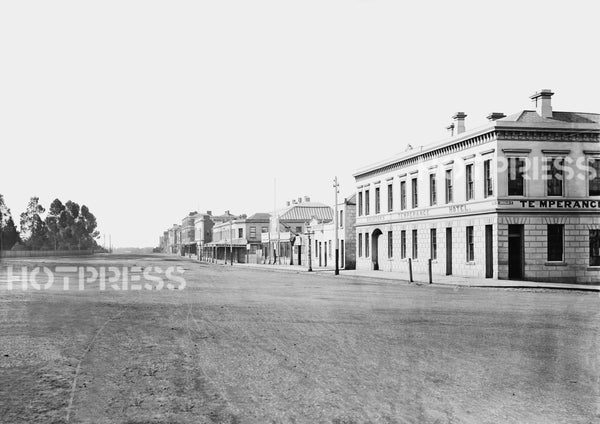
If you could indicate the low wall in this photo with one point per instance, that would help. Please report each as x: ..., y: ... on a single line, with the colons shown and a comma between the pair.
x: 43, y: 253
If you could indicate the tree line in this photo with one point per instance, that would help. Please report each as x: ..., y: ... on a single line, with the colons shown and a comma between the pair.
x: 64, y: 226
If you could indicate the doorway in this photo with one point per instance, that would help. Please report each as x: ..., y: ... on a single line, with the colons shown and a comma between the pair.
x: 449, y: 251
x: 515, y: 252
x: 375, y: 249
x: 489, y: 251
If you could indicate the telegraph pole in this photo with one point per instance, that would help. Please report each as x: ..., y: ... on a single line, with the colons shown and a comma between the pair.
x: 335, y: 223
x: 231, y: 242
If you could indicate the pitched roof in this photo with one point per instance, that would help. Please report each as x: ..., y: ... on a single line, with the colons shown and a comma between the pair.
x: 531, y: 116
x: 305, y: 212
x: 259, y: 216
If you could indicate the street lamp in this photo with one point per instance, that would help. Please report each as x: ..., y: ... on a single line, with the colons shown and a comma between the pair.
x: 308, y: 232
x: 335, y: 223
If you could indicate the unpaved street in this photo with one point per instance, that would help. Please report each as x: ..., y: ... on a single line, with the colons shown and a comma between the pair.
x: 250, y: 346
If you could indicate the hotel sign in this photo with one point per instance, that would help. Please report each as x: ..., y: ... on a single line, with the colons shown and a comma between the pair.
x: 559, y: 204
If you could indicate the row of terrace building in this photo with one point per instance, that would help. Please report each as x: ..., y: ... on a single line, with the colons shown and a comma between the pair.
x: 300, y: 233
x: 518, y: 198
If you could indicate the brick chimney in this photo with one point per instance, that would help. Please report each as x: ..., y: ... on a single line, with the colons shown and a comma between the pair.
x: 459, y: 122
x: 543, y: 102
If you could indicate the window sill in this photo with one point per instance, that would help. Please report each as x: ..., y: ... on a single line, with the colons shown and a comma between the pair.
x: 471, y: 263
x: 593, y: 268
x: 558, y: 263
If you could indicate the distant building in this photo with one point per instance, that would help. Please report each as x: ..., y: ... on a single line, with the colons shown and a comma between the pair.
x: 516, y: 199
x: 286, y: 243
x: 188, y: 234
x: 323, y: 236
x: 239, y: 237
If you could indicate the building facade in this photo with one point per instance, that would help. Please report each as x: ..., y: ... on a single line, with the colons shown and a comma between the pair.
x: 323, y: 236
x: 286, y: 242
x: 516, y: 199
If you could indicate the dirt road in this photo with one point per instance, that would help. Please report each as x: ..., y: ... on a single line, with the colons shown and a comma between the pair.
x: 250, y: 346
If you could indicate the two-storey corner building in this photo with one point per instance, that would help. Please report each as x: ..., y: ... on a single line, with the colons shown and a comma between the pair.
x: 323, y: 236
x: 516, y: 199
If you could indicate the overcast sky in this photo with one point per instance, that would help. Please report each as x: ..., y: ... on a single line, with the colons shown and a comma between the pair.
x: 147, y: 110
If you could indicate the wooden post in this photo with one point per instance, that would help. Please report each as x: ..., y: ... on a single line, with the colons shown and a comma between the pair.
x: 410, y: 275
x: 429, y: 270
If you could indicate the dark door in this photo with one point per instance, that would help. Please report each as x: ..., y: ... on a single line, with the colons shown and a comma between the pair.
x: 489, y: 251
x: 299, y: 255
x: 515, y: 252
x: 449, y: 251
x: 325, y: 255
x: 341, y: 253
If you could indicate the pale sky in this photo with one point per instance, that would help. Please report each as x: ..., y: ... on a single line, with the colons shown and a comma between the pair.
x: 147, y: 110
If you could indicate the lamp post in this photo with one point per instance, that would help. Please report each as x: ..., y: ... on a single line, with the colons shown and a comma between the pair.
x: 231, y: 242
x: 335, y: 223
x: 309, y: 248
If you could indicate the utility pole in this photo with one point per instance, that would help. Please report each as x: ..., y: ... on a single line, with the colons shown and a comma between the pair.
x: 231, y: 241
x: 309, y: 248
x: 335, y: 223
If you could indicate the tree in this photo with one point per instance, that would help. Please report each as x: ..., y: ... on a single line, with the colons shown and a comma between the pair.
x: 8, y: 231
x: 33, y: 228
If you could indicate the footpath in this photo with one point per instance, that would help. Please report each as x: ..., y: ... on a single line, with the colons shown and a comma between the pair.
x: 449, y: 280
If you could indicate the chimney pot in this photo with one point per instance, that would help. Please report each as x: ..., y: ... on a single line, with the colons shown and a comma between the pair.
x: 299, y: 199
x: 459, y: 122
x: 495, y: 116
x: 306, y: 199
x: 287, y: 203
x: 209, y: 213
x: 451, y: 129
x: 543, y: 102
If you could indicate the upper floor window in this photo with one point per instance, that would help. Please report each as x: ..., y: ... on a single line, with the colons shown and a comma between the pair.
x: 402, y: 195
x: 367, y: 203
x: 415, y: 193
x: 252, y: 232
x: 390, y: 198
x: 341, y: 219
x: 594, y: 173
x: 488, y: 182
x: 360, y: 203
x: 469, y: 181
x: 377, y: 200
x: 240, y: 232
x: 554, y: 182
x: 516, y: 173
x: 432, y: 190
x: 449, y: 194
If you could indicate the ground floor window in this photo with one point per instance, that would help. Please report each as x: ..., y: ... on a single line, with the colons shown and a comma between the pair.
x: 415, y: 245
x: 390, y: 245
x: 433, y: 244
x: 594, y: 247
x: 403, y: 244
x: 555, y: 242
x: 360, y: 245
x: 470, y: 245
x: 367, y: 244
